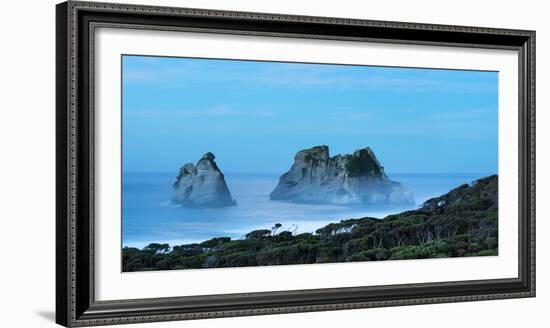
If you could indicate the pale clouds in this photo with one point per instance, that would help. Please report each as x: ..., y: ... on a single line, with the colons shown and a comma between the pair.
x: 185, y: 72
x: 212, y: 112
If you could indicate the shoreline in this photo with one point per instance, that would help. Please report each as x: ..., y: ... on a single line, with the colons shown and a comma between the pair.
x: 304, y: 225
x: 462, y: 222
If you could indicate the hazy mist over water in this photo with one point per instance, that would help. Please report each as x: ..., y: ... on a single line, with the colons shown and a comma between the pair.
x: 149, y: 216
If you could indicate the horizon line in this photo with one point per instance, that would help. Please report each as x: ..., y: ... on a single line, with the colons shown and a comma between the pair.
x: 279, y: 172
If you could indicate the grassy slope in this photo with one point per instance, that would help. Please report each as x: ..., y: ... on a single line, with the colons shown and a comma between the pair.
x: 463, y: 222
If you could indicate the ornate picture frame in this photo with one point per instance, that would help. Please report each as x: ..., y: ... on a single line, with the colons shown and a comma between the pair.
x: 77, y: 23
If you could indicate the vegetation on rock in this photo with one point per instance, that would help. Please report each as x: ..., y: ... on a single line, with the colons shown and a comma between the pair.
x: 364, y: 164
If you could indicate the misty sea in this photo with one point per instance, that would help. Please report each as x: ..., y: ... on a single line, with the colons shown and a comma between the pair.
x: 149, y: 216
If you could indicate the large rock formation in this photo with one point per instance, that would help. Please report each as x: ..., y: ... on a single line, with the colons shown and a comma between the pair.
x: 202, y: 185
x: 359, y: 179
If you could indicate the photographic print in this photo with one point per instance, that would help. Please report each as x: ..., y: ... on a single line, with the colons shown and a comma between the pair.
x: 236, y: 163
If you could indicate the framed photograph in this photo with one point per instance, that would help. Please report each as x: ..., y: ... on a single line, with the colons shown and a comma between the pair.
x: 215, y: 163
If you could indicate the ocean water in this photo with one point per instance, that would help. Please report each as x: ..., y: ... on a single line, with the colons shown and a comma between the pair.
x: 149, y: 216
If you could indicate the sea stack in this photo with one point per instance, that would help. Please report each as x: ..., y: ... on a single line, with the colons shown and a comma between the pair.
x: 356, y: 179
x: 202, y: 185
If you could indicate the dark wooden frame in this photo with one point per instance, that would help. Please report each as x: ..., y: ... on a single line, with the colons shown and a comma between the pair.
x: 75, y: 303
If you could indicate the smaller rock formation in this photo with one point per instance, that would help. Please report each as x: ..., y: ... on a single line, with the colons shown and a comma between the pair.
x: 202, y: 185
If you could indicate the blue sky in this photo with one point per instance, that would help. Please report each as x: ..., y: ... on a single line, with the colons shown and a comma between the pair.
x: 254, y: 116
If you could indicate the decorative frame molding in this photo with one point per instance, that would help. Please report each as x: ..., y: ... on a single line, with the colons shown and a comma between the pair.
x: 75, y: 30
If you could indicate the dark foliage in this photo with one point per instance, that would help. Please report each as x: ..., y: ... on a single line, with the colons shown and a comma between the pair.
x: 463, y: 222
x: 364, y: 165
